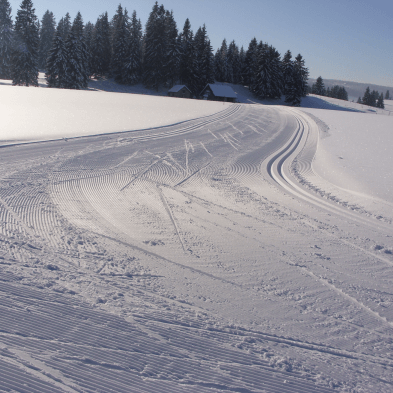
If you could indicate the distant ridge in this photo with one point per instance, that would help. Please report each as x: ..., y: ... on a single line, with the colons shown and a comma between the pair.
x: 354, y: 89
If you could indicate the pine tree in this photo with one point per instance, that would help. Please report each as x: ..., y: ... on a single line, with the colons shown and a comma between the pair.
x: 319, y: 87
x: 75, y: 70
x: 5, y: 40
x: 287, y: 71
x: 251, y: 65
x: 120, y: 46
x: 204, y: 67
x: 155, y: 48
x: 380, y: 104
x: 387, y: 97
x: 171, y: 64
x: 65, y: 26
x: 56, y: 65
x: 359, y: 101
x: 188, y: 62
x: 367, y: 98
x: 242, y: 59
x: 221, y: 63
x: 47, y: 32
x: 78, y: 30
x: 26, y: 41
x: 303, y: 72
x: 185, y: 62
x: 88, y: 35
x: 101, y: 47
x: 133, y: 63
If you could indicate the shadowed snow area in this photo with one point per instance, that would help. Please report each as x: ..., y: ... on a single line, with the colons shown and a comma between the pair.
x: 209, y: 247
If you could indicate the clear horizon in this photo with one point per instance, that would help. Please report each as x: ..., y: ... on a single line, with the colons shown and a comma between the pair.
x: 350, y: 41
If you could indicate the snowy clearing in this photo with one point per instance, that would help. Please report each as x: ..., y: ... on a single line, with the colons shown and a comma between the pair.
x: 220, y: 254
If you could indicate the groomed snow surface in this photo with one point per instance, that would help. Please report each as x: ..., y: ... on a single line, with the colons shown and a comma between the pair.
x: 153, y: 244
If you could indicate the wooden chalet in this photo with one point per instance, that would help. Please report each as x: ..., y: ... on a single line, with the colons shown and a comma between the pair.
x: 181, y: 91
x: 214, y: 92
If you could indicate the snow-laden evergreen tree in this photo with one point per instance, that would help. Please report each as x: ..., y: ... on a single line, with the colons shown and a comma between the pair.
x: 204, y: 67
x: 251, y: 65
x: 188, y: 61
x: 380, y: 103
x: 287, y: 71
x: 56, y: 65
x: 303, y: 72
x: 78, y: 30
x: 367, y: 98
x: 319, y: 87
x: 76, y: 78
x: 293, y: 92
x: 133, y: 63
x: 221, y: 63
x: 120, y: 46
x: 5, y: 40
x: 65, y: 25
x: 269, y: 76
x: 88, y: 35
x: 242, y: 59
x: 47, y: 32
x: 234, y: 63
x: 374, y: 98
x: 155, y: 48
x: 101, y: 47
x: 171, y: 64
x: 26, y: 41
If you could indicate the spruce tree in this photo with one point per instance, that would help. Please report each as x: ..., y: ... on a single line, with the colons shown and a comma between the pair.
x: 5, y: 40
x: 101, y: 47
x: 65, y: 26
x: 26, y: 41
x: 359, y: 101
x: 287, y: 71
x: 185, y: 62
x: 251, y: 65
x: 319, y: 87
x: 56, y: 65
x: 75, y: 70
x: 88, y: 35
x: 78, y: 31
x: 133, y: 63
x: 380, y: 103
x: 47, y: 32
x: 367, y: 98
x: 303, y: 72
x: 171, y: 63
x: 204, y: 68
x: 120, y: 46
x: 242, y: 59
x: 155, y: 48
x: 387, y: 97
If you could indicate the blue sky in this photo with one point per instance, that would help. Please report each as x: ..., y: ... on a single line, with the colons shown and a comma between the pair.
x: 339, y: 39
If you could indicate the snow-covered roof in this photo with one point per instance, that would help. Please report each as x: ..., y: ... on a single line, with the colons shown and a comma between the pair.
x: 177, y: 88
x: 222, y: 90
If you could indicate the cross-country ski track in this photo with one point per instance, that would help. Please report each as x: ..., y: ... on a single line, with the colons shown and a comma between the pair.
x: 206, y: 256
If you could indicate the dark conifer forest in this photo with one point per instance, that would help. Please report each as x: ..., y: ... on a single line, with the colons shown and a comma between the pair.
x: 160, y: 56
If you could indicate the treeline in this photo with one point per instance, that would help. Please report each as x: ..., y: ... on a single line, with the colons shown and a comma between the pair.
x: 72, y: 53
x: 373, y: 98
x: 335, y: 92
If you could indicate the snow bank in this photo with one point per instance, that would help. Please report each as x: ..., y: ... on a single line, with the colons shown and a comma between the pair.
x: 356, y: 152
x: 31, y: 114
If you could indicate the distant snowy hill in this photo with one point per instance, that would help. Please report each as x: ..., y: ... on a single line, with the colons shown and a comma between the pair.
x: 354, y: 89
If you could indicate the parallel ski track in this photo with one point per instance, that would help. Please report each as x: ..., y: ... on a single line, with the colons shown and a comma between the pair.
x: 277, y: 166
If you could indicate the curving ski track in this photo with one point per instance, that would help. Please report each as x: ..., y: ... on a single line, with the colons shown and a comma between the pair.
x: 189, y: 258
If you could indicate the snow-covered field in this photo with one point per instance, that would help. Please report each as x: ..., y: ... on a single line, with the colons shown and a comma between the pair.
x: 246, y: 250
